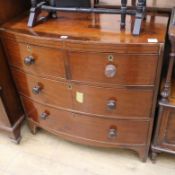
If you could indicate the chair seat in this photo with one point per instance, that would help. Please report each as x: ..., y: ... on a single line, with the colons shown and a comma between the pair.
x: 73, y: 3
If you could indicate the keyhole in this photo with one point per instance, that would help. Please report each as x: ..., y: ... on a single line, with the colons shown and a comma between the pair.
x: 111, y: 58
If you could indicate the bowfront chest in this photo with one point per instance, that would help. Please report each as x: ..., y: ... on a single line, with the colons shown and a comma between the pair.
x: 82, y: 78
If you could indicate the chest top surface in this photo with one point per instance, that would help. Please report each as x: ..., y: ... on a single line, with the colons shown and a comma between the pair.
x: 103, y: 28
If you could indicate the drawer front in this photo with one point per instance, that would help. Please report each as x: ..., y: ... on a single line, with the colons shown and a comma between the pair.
x: 113, y: 68
x: 43, y: 90
x: 108, y: 131
x: 36, y: 60
x: 125, y: 102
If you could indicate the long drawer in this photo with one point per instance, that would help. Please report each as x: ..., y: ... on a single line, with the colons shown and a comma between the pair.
x: 111, y: 68
x: 114, y: 102
x: 125, y: 102
x: 43, y: 90
x: 37, y: 60
x: 109, y: 131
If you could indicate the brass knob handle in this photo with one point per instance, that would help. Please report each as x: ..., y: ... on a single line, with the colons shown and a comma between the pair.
x: 111, y: 104
x: 110, y: 70
x: 112, y: 133
x: 36, y: 90
x: 29, y: 60
x: 44, y: 115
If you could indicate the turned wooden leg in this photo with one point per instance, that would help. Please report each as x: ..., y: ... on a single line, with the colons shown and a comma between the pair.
x: 15, y: 135
x: 53, y: 14
x: 153, y: 156
x: 33, y: 127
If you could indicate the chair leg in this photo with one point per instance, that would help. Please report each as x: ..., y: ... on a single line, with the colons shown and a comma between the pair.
x: 123, y: 13
x: 139, y: 16
x: 53, y: 14
x: 153, y: 156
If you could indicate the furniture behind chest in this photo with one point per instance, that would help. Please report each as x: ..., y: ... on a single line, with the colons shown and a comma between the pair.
x: 164, y: 138
x: 82, y: 78
x: 11, y: 113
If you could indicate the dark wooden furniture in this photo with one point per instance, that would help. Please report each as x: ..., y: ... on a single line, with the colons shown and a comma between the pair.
x: 11, y: 113
x: 84, y: 80
x: 164, y: 138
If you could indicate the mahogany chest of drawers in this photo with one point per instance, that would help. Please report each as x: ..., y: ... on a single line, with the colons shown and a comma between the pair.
x: 84, y: 80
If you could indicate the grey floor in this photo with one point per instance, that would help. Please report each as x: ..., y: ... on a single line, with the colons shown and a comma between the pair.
x: 45, y: 154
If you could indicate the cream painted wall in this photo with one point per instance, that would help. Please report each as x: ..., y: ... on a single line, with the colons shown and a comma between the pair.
x: 160, y: 3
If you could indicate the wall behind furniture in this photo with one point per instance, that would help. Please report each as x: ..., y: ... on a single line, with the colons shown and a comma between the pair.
x: 151, y: 3
x: 8, y: 11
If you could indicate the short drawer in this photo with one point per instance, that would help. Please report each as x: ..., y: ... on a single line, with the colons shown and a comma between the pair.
x: 113, y: 68
x: 114, y: 102
x: 91, y: 129
x: 43, y: 90
x: 37, y: 60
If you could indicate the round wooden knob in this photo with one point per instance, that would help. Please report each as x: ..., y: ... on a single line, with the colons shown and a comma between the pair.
x: 110, y: 70
x: 111, y: 104
x: 29, y: 60
x: 36, y: 90
x: 44, y: 115
x: 112, y: 133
